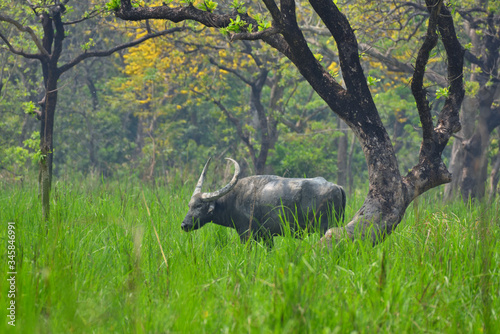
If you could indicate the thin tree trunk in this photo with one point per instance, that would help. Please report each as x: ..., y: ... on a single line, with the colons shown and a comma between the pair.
x: 342, y: 159
x: 47, y: 145
x: 349, y: 164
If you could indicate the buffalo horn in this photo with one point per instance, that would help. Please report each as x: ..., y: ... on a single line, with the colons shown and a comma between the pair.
x: 197, y: 189
x: 207, y: 197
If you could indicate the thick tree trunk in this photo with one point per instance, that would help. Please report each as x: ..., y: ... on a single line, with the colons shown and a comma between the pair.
x: 389, y: 194
x: 387, y: 199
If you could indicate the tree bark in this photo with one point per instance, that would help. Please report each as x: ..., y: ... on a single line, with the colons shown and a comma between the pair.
x: 342, y: 159
x: 494, y: 177
x: 52, y: 42
x: 350, y: 166
x: 475, y: 156
x: 485, y: 57
x: 470, y: 106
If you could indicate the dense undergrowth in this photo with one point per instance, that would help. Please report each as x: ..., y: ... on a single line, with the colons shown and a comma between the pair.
x: 97, y: 267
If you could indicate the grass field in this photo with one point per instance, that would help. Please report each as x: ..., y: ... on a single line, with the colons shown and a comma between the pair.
x: 97, y: 267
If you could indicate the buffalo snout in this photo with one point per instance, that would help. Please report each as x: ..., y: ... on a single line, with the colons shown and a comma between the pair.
x: 186, y: 227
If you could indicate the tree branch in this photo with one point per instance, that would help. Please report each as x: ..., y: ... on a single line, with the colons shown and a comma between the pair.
x: 239, y: 129
x: 32, y: 34
x: 252, y: 36
x: 227, y: 69
x: 59, y: 35
x: 88, y: 16
x: 347, y: 44
x: 417, y: 84
x: 106, y: 53
x: 448, y: 119
x: 397, y: 66
x: 275, y: 12
x: 20, y: 53
x: 431, y: 171
x: 174, y: 14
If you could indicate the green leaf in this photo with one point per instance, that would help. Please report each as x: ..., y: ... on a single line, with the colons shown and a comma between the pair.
x: 372, y: 80
x: 442, y: 92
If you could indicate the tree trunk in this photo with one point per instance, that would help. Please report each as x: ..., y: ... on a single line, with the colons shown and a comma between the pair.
x: 350, y: 166
x: 475, y: 164
x: 398, y: 131
x: 470, y: 108
x: 47, y: 145
x: 342, y: 159
x: 494, y: 177
x: 473, y: 180
x: 485, y: 58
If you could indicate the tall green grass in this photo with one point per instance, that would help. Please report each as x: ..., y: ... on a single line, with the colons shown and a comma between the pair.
x: 96, y: 267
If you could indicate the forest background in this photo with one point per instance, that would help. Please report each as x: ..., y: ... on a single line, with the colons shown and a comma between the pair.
x: 160, y: 108
x: 139, y: 108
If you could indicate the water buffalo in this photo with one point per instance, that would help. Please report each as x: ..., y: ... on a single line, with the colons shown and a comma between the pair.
x: 261, y: 205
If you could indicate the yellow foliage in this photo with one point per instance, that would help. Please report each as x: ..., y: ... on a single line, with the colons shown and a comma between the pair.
x: 147, y: 100
x: 333, y: 67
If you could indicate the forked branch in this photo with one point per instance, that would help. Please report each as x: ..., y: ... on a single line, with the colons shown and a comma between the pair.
x: 431, y: 171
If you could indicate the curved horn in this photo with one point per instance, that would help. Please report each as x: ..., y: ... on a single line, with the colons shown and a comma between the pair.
x: 197, y: 189
x: 207, y: 197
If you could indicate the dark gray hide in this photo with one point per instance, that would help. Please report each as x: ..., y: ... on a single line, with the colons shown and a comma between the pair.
x: 260, y: 205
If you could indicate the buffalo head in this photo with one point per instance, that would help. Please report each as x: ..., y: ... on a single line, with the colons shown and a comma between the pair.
x: 202, y: 205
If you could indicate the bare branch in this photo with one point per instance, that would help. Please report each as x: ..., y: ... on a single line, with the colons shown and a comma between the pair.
x: 236, y: 122
x: 20, y: 53
x: 30, y: 31
x: 88, y: 16
x: 108, y: 52
x: 395, y: 65
x: 227, y: 69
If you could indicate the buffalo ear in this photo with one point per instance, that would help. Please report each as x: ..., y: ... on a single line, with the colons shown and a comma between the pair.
x: 211, y: 208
